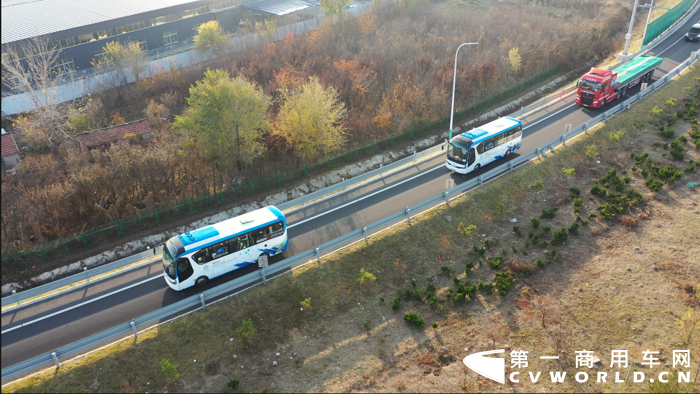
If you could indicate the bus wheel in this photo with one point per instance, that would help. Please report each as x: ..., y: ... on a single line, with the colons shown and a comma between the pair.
x: 477, y: 167
x: 264, y: 254
x: 202, y: 281
x: 507, y: 153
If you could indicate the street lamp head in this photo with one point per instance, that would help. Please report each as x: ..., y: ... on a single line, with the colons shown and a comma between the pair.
x: 454, y: 82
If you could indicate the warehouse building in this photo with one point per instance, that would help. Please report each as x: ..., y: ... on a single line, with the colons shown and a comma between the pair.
x: 81, y: 28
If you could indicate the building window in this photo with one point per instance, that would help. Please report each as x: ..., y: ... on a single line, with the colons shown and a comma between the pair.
x: 143, y: 45
x: 65, y: 66
x: 195, y: 29
x: 169, y: 37
x: 99, y: 56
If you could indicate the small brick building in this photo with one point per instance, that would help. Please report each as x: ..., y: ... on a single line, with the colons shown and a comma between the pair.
x: 102, y: 137
x: 10, y: 152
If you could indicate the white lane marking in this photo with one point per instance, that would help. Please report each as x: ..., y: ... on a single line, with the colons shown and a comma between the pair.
x: 659, y: 54
x: 368, y: 196
x: 547, y: 117
x: 79, y: 305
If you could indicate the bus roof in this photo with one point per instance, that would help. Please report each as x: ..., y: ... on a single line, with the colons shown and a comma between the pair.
x: 490, y: 129
x: 195, y: 239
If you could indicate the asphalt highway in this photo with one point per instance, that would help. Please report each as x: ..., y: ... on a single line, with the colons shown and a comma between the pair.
x: 45, y: 326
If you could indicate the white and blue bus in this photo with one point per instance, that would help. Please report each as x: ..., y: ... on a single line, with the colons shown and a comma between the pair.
x: 195, y: 257
x: 476, y: 148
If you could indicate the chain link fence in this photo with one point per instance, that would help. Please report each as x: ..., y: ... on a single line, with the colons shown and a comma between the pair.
x: 13, y: 262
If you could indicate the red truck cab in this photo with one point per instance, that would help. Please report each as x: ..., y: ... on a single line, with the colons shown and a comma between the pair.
x: 597, y: 88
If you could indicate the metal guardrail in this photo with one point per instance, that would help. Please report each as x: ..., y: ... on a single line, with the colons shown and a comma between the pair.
x: 285, y: 265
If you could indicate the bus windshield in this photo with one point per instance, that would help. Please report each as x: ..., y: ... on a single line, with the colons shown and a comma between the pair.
x: 457, y: 153
x: 589, y: 85
x: 168, y: 263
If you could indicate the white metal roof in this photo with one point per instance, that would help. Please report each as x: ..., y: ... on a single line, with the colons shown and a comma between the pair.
x: 22, y: 19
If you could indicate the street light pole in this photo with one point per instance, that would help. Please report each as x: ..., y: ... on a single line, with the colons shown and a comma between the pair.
x: 454, y: 83
x: 629, y: 32
x: 651, y: 7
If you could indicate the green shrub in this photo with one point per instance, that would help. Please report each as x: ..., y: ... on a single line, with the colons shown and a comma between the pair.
x: 540, y: 263
x: 446, y: 270
x: 495, y: 262
x: 366, y: 324
x: 381, y: 299
x: 535, y: 239
x: 466, y: 230
x: 578, y: 205
x: 397, y: 303
x: 592, y: 215
x: 170, y: 370
x: 591, y: 151
x: 546, y: 230
x: 417, y: 296
x: 430, y: 288
x: 573, y: 229
x: 616, y: 136
x: 575, y: 191
x: 468, y: 266
x: 479, y: 250
x: 489, y: 243
x: 435, y: 325
x: 233, y: 384
x: 246, y: 331
x: 504, y: 280
x: 412, y: 318
x: 538, y: 185
x: 535, y: 222
x: 667, y: 132
x: 560, y: 236
x: 504, y: 251
x: 569, y: 172
x: 530, y: 234
x: 527, y: 244
x: 517, y: 231
x: 456, y: 281
x: 549, y: 213
x: 413, y: 283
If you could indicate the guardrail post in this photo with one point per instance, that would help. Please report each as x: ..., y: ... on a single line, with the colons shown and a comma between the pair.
x: 408, y: 215
x: 481, y: 182
x: 447, y: 198
x: 585, y: 128
x: 563, y: 140
x: 133, y: 328
x: 302, y: 199
x: 510, y: 166
x: 86, y: 274
x: 55, y: 359
x: 544, y: 152
x: 201, y: 299
x: 262, y: 273
x: 364, y: 232
x: 551, y: 148
x: 318, y: 255
x: 538, y: 152
x: 604, y: 115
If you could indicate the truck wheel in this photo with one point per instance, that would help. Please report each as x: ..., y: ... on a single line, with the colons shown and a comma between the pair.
x: 623, y: 92
x: 602, y: 104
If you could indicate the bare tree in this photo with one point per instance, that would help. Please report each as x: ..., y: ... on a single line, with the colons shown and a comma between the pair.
x: 128, y: 60
x: 31, y: 70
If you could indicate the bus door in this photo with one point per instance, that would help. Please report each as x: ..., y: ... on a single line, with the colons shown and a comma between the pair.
x: 472, y: 157
x: 243, y: 255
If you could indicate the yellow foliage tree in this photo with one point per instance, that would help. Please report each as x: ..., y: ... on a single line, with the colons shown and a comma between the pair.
x: 210, y: 38
x: 310, y: 120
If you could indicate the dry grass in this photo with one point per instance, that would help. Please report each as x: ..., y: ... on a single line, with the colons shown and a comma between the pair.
x: 601, y: 294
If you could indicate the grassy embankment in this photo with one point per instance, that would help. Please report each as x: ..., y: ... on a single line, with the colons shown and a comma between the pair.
x: 596, y: 292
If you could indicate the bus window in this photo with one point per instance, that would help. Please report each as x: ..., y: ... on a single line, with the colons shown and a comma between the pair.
x: 217, y: 251
x: 277, y: 228
x: 202, y: 257
x: 259, y: 235
x: 472, y: 157
x: 489, y: 144
x: 242, y: 242
x: 184, y: 269
x: 501, y: 139
x: 480, y: 148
